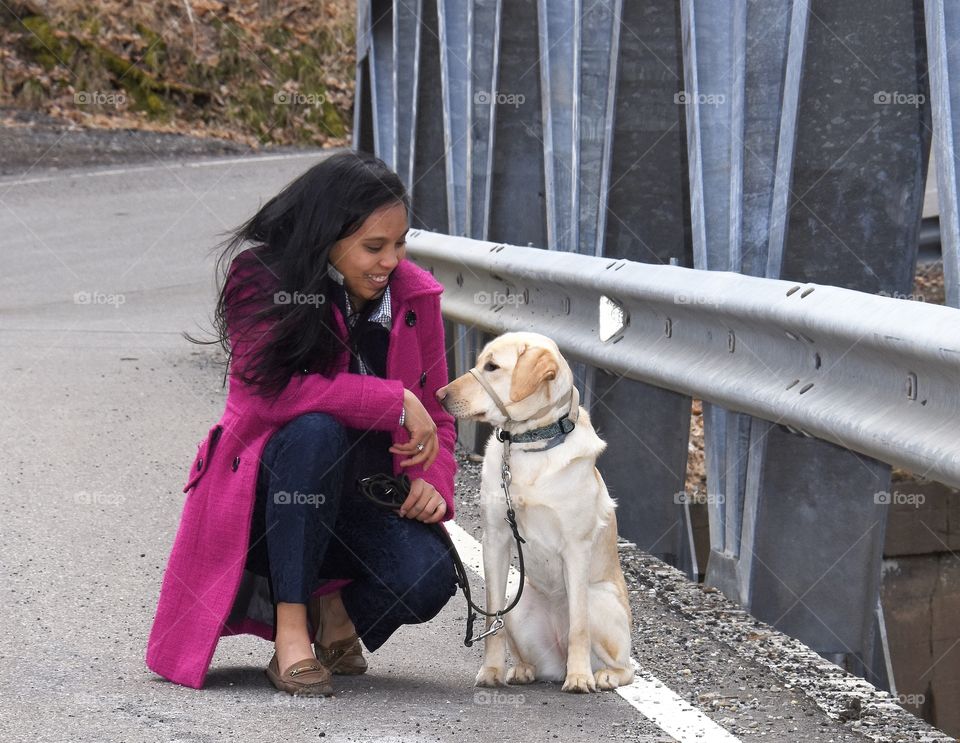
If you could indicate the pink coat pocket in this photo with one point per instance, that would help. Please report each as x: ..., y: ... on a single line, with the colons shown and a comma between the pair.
x: 201, y: 462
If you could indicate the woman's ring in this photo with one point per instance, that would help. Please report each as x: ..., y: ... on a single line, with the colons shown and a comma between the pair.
x: 419, y: 447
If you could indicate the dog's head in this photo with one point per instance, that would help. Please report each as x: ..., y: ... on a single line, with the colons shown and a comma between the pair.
x: 525, y: 370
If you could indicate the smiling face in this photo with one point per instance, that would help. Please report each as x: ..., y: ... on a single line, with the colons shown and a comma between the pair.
x: 368, y: 256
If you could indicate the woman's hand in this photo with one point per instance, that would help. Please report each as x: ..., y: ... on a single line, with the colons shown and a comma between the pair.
x: 423, y: 431
x: 423, y: 503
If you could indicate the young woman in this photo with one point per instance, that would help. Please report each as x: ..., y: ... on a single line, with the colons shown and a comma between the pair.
x: 336, y: 350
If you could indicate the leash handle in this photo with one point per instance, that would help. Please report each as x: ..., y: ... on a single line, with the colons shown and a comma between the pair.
x: 390, y: 492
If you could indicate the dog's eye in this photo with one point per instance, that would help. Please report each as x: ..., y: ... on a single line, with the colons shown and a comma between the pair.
x: 490, y: 366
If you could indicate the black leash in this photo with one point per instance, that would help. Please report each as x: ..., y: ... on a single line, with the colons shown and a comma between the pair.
x: 390, y: 492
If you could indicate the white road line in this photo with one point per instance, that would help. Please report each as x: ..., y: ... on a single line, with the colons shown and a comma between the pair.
x: 471, y: 554
x: 12, y: 182
x: 647, y: 694
x: 675, y: 716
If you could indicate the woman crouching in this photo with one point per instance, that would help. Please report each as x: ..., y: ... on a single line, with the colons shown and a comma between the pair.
x: 336, y: 349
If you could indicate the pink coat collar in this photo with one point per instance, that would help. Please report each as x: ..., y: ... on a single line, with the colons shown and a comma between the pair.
x: 409, y: 280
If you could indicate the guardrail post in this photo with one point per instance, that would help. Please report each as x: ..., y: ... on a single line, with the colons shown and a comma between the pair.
x: 406, y: 33
x: 382, y: 79
x: 362, y: 97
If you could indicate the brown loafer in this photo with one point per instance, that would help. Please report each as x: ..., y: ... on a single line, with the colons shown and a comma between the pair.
x: 306, y: 678
x: 343, y: 657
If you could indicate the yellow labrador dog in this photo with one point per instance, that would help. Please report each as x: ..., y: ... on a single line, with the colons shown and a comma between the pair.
x: 573, y: 621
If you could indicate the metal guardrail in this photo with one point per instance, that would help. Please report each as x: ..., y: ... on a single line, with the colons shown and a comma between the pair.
x: 776, y: 139
x: 874, y: 374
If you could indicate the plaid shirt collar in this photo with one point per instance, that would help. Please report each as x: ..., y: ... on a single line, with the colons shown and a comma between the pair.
x: 381, y: 315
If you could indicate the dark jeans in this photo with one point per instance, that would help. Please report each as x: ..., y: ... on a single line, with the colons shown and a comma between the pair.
x: 310, y: 524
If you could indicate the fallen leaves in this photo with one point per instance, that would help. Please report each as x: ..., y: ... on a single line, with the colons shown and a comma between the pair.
x: 191, y: 66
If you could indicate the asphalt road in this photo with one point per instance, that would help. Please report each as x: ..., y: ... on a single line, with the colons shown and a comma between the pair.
x: 103, y: 403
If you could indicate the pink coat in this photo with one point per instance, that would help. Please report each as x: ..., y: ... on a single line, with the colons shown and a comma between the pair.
x: 208, y: 556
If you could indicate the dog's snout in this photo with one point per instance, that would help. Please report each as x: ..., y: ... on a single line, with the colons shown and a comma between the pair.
x: 456, y: 397
x: 443, y: 397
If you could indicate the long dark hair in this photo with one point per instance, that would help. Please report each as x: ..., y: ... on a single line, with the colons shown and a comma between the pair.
x: 288, y: 246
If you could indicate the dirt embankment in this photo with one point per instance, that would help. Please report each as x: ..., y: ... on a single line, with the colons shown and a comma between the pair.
x: 255, y: 72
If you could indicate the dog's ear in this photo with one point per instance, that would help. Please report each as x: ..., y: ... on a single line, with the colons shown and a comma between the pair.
x: 532, y: 369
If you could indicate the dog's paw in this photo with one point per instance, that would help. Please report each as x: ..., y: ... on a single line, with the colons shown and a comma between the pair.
x: 607, y: 678
x: 490, y: 677
x: 522, y: 673
x: 579, y: 683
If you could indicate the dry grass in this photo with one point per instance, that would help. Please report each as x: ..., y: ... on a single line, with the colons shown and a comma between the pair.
x: 255, y: 71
